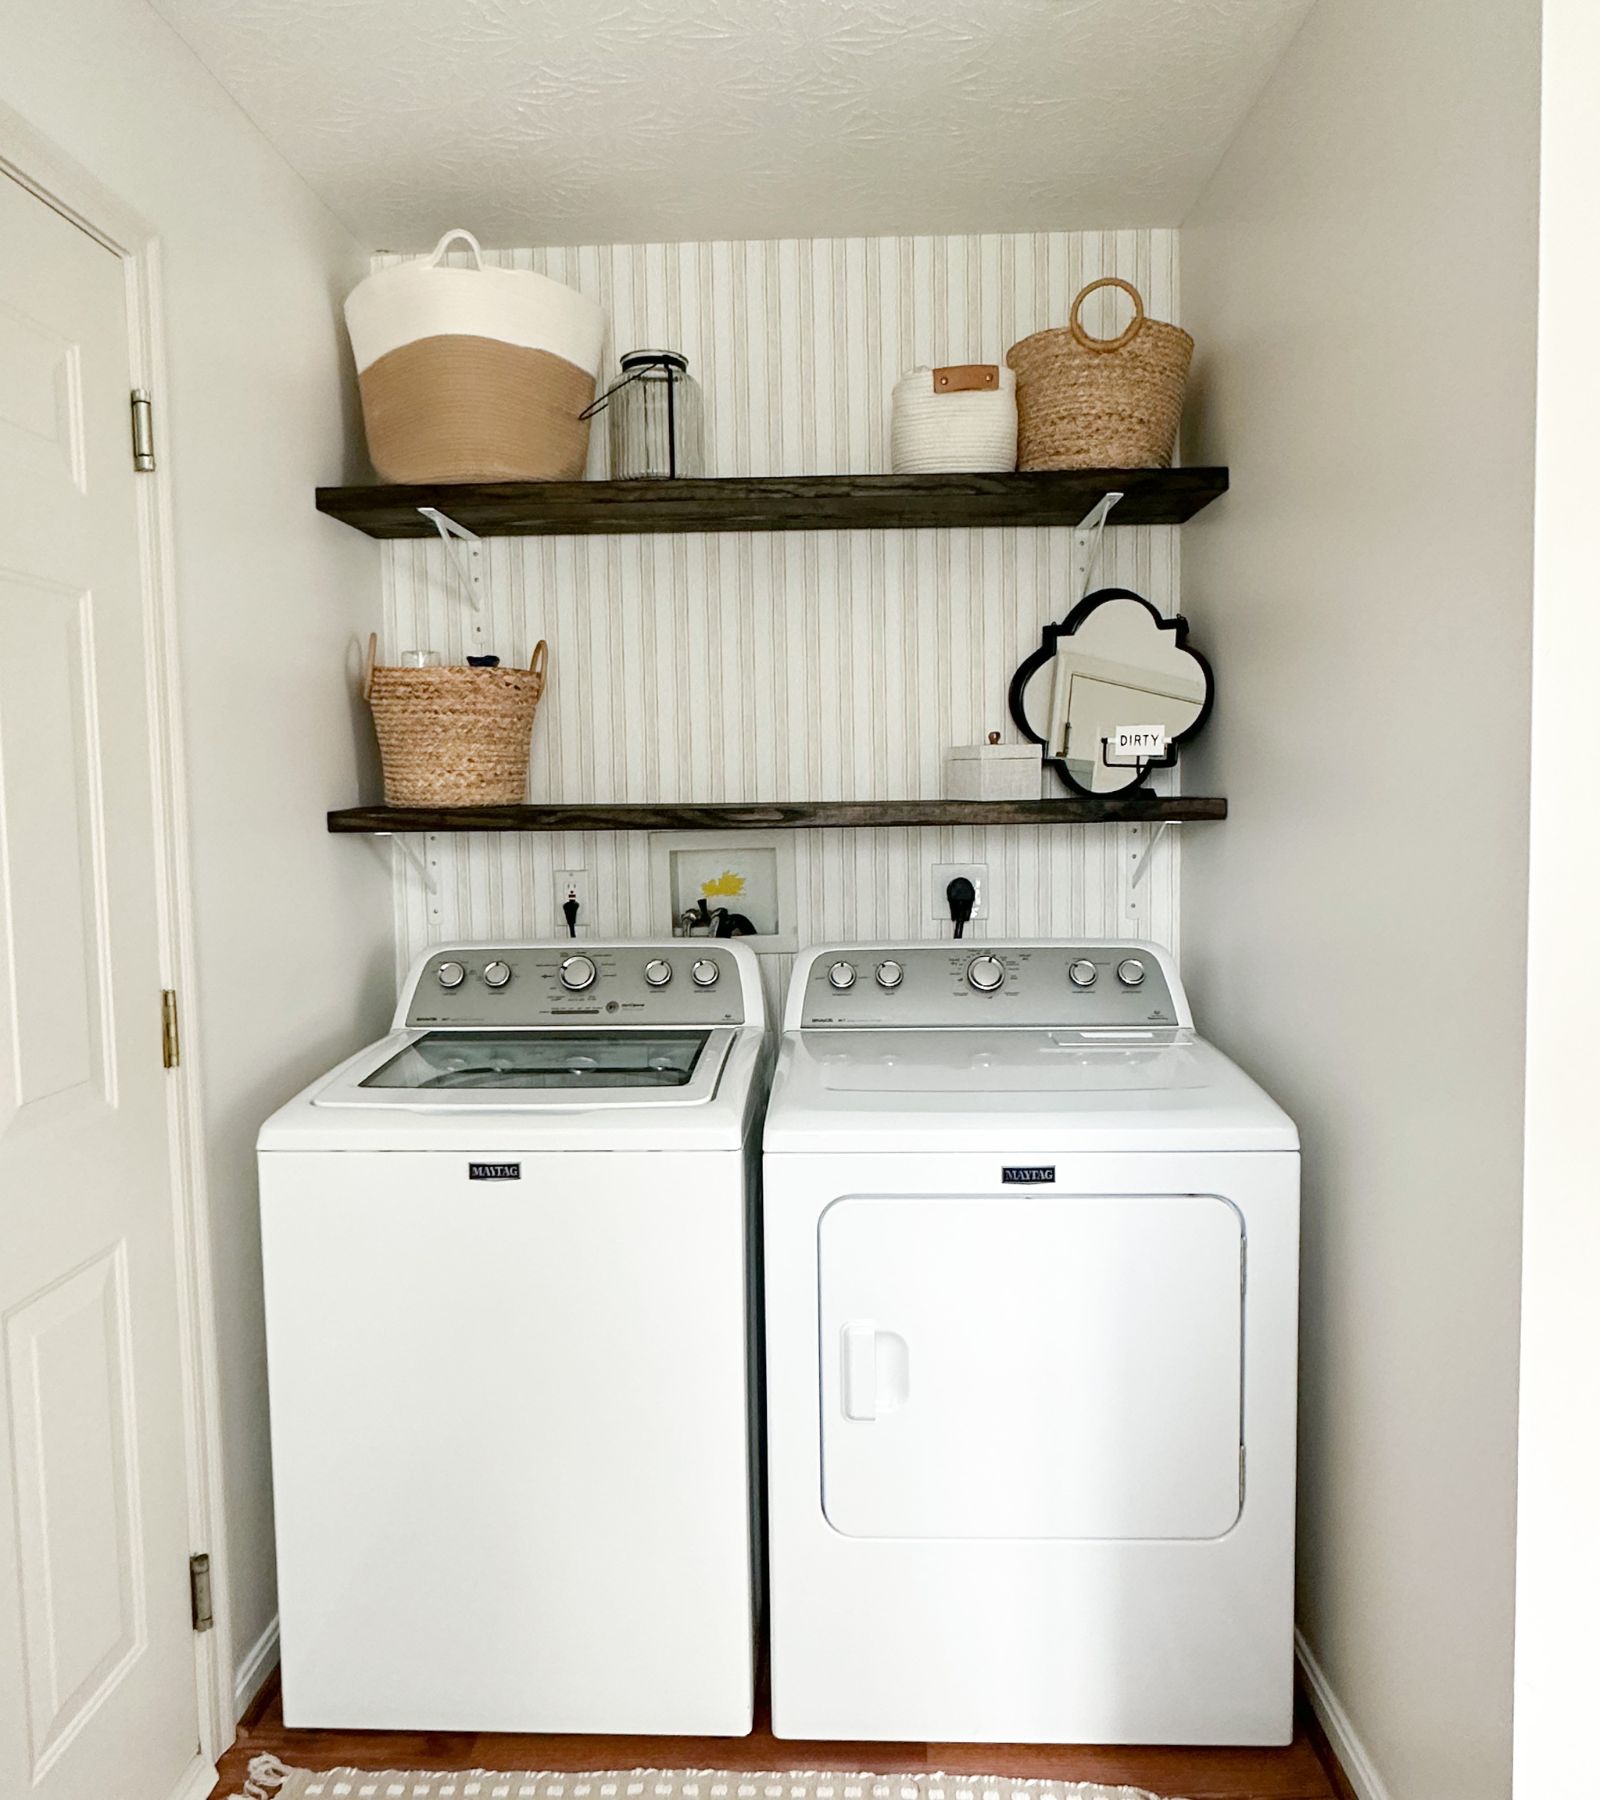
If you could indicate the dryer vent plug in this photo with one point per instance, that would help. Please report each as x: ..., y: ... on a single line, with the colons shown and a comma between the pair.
x: 961, y: 894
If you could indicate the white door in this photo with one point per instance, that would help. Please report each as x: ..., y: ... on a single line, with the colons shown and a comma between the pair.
x: 97, y: 1675
x: 1046, y: 1367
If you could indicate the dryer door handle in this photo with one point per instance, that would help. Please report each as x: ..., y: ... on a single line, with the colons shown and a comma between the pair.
x: 874, y: 1370
x: 858, y: 1369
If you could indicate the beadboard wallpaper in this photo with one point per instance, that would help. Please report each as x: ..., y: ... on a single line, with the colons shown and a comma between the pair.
x: 791, y: 666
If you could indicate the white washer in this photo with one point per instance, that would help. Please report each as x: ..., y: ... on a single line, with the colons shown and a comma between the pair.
x: 1030, y: 1289
x: 508, y: 1257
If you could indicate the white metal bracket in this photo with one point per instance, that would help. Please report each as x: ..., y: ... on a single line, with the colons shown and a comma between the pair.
x: 465, y: 550
x: 1141, y: 861
x: 1086, y: 537
x: 401, y: 842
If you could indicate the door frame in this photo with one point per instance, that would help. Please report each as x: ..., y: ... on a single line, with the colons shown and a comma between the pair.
x: 31, y: 159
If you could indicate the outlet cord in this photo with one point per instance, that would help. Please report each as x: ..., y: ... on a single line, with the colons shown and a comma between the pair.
x: 962, y: 896
x: 569, y: 909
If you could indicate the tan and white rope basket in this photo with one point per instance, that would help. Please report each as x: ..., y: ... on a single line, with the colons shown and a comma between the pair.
x: 1100, y: 403
x: 479, y: 374
x: 454, y: 736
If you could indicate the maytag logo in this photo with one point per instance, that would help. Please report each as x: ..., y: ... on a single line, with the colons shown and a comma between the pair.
x: 494, y: 1171
x: 1027, y: 1174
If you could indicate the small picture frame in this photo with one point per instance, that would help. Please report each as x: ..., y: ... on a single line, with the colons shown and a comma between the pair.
x: 744, y: 875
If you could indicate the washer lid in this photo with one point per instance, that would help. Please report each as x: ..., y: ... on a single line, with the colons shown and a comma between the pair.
x: 619, y: 1089
x: 498, y: 1068
x: 1026, y: 1092
x: 436, y: 1063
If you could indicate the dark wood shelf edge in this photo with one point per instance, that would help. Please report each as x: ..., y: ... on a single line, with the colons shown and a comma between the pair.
x: 821, y: 815
x: 1061, y: 497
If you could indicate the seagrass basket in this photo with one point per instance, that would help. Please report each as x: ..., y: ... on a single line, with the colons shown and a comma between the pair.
x: 1100, y: 403
x: 454, y: 736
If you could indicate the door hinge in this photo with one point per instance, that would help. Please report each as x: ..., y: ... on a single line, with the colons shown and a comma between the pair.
x: 200, y: 1591
x: 144, y: 430
x: 169, y: 1028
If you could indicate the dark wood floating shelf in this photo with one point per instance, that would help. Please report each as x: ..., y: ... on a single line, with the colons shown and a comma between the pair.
x: 1137, y: 808
x: 780, y: 502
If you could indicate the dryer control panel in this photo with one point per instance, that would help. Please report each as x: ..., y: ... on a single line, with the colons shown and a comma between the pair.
x: 689, y: 981
x: 1104, y: 986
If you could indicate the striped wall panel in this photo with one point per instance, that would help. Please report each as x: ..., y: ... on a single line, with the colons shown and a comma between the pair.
x: 795, y: 665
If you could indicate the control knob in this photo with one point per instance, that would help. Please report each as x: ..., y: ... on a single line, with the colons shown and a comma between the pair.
x: 705, y: 972
x: 890, y: 974
x: 451, y: 975
x: 1082, y: 973
x: 986, y: 973
x: 657, y: 972
x: 496, y: 974
x: 1130, y: 972
x: 577, y: 973
x: 842, y: 975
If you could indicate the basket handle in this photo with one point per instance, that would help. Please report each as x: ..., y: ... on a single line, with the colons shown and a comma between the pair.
x: 1135, y: 324
x: 371, y: 665
x: 448, y: 239
x: 538, y: 664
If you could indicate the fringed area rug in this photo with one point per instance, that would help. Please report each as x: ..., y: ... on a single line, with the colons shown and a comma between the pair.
x: 273, y: 1780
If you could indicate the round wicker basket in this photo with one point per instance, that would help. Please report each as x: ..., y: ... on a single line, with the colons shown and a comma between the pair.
x: 454, y: 736
x: 1100, y: 403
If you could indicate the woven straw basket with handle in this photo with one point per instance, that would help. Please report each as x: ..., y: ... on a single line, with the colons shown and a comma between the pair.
x: 1100, y: 403
x: 454, y: 736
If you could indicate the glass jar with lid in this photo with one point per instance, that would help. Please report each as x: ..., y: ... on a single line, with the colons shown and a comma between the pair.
x: 655, y: 418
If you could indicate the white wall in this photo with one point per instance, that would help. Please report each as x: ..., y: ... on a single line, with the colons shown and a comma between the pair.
x: 1360, y: 276
x: 795, y: 665
x: 294, y: 957
x: 1558, y: 1465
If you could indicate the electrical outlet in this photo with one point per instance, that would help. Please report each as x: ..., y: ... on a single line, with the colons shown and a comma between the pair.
x: 942, y: 874
x: 573, y: 884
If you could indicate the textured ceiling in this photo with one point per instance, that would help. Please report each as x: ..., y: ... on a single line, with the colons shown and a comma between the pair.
x: 617, y: 121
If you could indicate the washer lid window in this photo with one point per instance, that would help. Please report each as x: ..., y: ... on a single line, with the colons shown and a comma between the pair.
x: 452, y: 1060
x: 427, y: 1070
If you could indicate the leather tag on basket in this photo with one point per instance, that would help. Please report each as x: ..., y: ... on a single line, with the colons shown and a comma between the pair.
x: 966, y: 378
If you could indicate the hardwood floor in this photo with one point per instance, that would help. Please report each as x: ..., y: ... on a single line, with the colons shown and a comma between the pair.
x: 1293, y: 1773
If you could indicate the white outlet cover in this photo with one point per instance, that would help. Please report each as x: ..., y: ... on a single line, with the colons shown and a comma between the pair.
x: 940, y: 875
x: 573, y: 881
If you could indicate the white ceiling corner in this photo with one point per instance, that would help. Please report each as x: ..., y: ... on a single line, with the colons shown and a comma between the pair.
x: 627, y: 121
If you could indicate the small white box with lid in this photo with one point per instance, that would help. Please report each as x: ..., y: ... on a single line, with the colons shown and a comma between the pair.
x: 992, y: 771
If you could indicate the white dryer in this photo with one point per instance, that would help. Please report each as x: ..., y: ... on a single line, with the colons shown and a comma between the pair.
x: 1030, y: 1288
x: 508, y: 1267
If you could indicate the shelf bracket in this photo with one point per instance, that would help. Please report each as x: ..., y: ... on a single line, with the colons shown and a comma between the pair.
x: 1141, y: 863
x: 1086, y: 536
x: 465, y: 550
x: 419, y: 862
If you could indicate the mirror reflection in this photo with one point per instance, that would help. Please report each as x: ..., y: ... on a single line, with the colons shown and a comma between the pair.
x: 1114, y: 664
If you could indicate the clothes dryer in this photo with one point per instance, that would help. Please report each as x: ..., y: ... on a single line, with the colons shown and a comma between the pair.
x: 1030, y: 1290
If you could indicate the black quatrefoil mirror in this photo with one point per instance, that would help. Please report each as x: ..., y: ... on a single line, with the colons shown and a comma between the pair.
x: 1111, y: 692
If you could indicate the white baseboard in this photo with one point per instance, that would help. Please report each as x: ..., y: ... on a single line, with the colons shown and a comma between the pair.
x: 255, y: 1666
x: 1335, y: 1721
x: 197, y: 1782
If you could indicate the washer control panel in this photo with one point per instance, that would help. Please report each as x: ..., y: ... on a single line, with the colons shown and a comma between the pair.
x: 1107, y: 986
x: 619, y: 984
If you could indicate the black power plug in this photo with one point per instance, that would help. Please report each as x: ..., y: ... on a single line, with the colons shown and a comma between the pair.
x: 962, y: 896
x: 569, y: 910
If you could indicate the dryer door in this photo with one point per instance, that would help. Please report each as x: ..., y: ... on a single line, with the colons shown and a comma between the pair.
x: 1055, y: 1366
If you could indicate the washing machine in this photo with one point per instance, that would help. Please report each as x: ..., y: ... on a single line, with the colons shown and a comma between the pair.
x: 508, y: 1275
x: 1030, y: 1290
